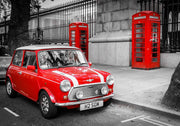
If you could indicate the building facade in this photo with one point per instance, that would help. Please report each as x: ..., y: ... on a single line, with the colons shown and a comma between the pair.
x: 54, y: 22
x: 110, y: 27
x: 112, y: 43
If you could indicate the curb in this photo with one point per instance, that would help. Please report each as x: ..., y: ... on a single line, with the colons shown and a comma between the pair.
x: 148, y: 108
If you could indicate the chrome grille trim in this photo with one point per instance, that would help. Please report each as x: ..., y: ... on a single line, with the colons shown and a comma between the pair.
x: 84, y: 101
x: 88, y: 89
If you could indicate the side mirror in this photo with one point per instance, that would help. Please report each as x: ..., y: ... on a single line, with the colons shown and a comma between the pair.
x: 30, y: 67
x: 90, y: 64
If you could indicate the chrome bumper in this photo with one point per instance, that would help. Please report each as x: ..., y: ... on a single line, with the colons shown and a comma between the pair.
x: 83, y: 101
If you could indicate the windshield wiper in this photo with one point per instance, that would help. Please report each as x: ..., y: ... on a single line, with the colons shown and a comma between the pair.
x: 65, y: 65
x: 82, y: 64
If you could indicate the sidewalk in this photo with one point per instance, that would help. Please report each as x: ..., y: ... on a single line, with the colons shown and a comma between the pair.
x: 141, y: 88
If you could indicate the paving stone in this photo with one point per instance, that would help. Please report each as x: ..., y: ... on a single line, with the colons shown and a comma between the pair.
x: 106, y: 17
x: 116, y: 26
x: 125, y: 25
x: 124, y: 4
x: 98, y: 28
x: 120, y: 15
x: 132, y: 4
x: 107, y: 27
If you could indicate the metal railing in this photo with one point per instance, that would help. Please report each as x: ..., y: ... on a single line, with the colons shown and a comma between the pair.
x: 54, y: 22
x: 169, y: 11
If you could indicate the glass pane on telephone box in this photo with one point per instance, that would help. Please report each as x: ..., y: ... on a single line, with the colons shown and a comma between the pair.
x: 154, y: 42
x: 83, y: 39
x: 139, y: 43
x: 73, y: 38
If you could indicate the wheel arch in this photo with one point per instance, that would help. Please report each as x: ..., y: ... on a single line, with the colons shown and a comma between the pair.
x: 10, y: 78
x: 51, y: 96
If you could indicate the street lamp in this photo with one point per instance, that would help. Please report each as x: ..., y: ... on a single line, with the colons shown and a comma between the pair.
x: 38, y: 27
x: 5, y: 29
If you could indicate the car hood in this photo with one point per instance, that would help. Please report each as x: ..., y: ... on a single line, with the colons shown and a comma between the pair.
x: 78, y: 75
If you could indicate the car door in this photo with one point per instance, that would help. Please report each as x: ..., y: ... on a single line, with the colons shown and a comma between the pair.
x: 29, y: 77
x: 15, y: 71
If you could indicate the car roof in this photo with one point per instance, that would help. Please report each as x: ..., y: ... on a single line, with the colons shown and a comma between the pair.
x: 40, y: 47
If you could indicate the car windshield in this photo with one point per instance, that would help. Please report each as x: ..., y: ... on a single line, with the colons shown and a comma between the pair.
x: 61, y: 58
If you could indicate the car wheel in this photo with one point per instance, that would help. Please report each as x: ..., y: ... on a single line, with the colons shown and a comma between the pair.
x: 48, y: 109
x: 107, y: 103
x: 10, y: 91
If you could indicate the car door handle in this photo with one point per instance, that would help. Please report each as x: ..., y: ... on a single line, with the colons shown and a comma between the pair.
x: 20, y: 72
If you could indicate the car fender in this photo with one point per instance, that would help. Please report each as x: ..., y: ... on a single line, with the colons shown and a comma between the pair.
x: 9, y: 76
x: 51, y: 96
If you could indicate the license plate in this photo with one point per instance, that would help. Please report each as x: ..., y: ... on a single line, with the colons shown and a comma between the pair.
x: 91, y: 105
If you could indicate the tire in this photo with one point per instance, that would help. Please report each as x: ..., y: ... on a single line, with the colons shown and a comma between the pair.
x: 107, y: 103
x: 47, y: 108
x: 9, y: 90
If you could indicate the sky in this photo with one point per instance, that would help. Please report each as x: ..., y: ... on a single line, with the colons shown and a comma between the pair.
x: 49, y: 3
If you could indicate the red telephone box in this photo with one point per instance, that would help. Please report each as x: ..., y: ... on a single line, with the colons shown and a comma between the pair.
x: 146, y: 40
x: 79, y: 36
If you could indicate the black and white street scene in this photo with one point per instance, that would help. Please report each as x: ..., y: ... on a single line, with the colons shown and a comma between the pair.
x: 89, y: 62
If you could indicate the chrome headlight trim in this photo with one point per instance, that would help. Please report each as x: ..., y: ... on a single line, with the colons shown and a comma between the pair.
x: 104, y: 90
x: 110, y: 80
x: 79, y: 94
x: 65, y: 85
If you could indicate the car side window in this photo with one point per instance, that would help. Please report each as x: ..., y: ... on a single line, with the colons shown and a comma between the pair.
x: 29, y: 59
x: 17, y: 60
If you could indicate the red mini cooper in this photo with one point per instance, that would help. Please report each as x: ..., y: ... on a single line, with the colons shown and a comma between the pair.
x: 54, y: 76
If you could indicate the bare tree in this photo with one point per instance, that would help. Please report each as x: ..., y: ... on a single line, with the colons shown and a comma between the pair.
x: 18, y: 27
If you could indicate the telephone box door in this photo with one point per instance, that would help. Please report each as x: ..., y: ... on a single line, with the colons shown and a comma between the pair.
x: 139, y: 44
x: 84, y: 42
x: 155, y: 44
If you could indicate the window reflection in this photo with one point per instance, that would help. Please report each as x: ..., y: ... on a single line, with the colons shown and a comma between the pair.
x: 60, y: 58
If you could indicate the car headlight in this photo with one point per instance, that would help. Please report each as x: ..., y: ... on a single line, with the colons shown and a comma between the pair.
x: 110, y: 80
x: 104, y: 90
x: 65, y: 85
x: 79, y: 94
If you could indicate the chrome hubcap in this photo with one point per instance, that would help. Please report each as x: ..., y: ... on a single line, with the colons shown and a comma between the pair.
x: 9, y: 88
x: 44, y: 104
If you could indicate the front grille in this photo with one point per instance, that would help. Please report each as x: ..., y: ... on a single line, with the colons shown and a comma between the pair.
x: 89, y: 91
